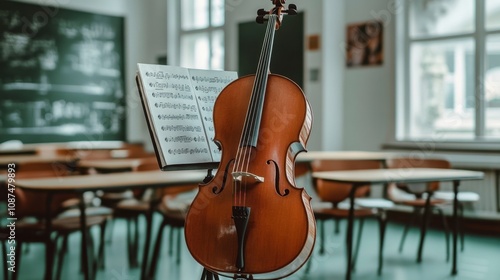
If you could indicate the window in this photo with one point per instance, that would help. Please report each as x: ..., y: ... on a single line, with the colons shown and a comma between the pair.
x: 201, y: 35
x: 449, y: 65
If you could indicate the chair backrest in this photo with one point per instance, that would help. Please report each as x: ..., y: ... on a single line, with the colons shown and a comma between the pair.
x: 152, y: 164
x: 41, y: 169
x: 148, y: 164
x: 34, y: 204
x: 337, y: 192
x: 416, y: 162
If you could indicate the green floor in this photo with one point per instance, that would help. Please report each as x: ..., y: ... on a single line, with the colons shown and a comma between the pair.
x: 480, y: 260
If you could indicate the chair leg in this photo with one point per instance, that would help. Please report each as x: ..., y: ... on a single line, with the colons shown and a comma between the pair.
x: 132, y: 256
x: 461, y: 226
x: 129, y: 243
x: 49, y: 258
x: 382, y: 220
x: 446, y: 232
x: 102, y: 242
x: 170, y: 240
x: 93, y: 260
x: 156, y: 252
x: 407, y: 227
x: 358, y: 243
x: 136, y: 238
x: 5, y: 264
x: 322, y: 237
x: 60, y: 258
x: 423, y: 229
x: 179, y: 242
x: 110, y: 230
x: 18, y: 260
x: 337, y: 226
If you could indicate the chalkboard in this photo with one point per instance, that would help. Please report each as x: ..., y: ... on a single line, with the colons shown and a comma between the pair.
x: 61, y: 75
x: 288, y: 52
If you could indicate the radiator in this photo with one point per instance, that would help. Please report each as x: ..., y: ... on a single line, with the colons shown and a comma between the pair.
x: 487, y: 190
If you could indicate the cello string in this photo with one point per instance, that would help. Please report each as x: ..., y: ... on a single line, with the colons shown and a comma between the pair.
x: 244, y: 151
x: 251, y: 110
x: 261, y: 88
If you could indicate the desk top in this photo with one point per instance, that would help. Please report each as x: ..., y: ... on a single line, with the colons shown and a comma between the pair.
x: 343, y: 155
x: 20, y: 151
x: 111, y: 164
x: 115, y: 181
x: 20, y: 159
x: 403, y: 175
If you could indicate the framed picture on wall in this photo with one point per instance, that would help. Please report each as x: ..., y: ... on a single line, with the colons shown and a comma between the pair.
x: 365, y: 44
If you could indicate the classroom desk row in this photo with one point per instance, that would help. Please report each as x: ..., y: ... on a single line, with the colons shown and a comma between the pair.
x: 109, y: 182
x: 156, y: 179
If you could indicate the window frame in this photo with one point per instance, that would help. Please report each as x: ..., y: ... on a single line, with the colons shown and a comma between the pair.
x: 404, y: 43
x: 177, y: 32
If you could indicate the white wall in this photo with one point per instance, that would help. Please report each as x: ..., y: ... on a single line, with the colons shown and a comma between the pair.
x: 369, y: 92
x: 333, y: 122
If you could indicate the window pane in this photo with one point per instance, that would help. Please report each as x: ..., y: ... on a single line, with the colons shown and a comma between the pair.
x: 441, y: 17
x: 492, y: 86
x: 194, y: 14
x: 195, y: 51
x: 493, y: 14
x: 217, y: 12
x: 217, y: 59
x: 442, y: 90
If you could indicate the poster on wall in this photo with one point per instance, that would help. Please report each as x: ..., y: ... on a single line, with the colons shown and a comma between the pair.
x: 61, y: 75
x: 364, y: 44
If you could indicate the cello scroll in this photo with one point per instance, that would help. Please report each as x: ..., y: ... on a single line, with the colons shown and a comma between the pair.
x: 279, y: 10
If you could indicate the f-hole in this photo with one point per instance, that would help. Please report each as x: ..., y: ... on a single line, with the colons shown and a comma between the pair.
x: 217, y: 190
x: 277, y: 179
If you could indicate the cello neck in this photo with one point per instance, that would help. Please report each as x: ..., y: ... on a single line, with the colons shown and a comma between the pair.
x: 254, y: 112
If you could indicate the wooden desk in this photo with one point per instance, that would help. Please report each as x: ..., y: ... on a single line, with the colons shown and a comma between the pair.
x: 343, y: 155
x: 303, y: 161
x: 20, y: 159
x: 112, y: 181
x: 21, y: 151
x: 111, y: 165
x: 405, y: 175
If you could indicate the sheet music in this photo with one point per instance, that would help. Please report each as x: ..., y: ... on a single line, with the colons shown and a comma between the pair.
x: 174, y: 113
x: 207, y: 84
x: 178, y: 103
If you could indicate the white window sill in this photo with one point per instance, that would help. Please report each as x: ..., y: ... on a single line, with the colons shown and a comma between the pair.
x: 472, y: 155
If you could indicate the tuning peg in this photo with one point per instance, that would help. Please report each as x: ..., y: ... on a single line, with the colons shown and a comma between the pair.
x: 262, y: 12
x: 260, y: 19
x: 292, y: 10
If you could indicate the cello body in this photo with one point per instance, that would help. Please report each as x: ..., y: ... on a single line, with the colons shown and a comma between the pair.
x: 250, y: 221
x: 281, y: 231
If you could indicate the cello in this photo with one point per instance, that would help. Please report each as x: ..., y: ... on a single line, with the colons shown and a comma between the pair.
x: 250, y: 221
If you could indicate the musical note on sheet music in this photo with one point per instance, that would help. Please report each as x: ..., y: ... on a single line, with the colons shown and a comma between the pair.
x: 175, y: 113
x: 207, y: 85
x: 179, y: 107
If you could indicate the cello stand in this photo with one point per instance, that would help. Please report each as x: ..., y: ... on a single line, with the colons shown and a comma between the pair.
x: 208, y: 275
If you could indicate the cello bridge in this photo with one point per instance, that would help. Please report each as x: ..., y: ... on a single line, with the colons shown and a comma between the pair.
x: 239, y: 176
